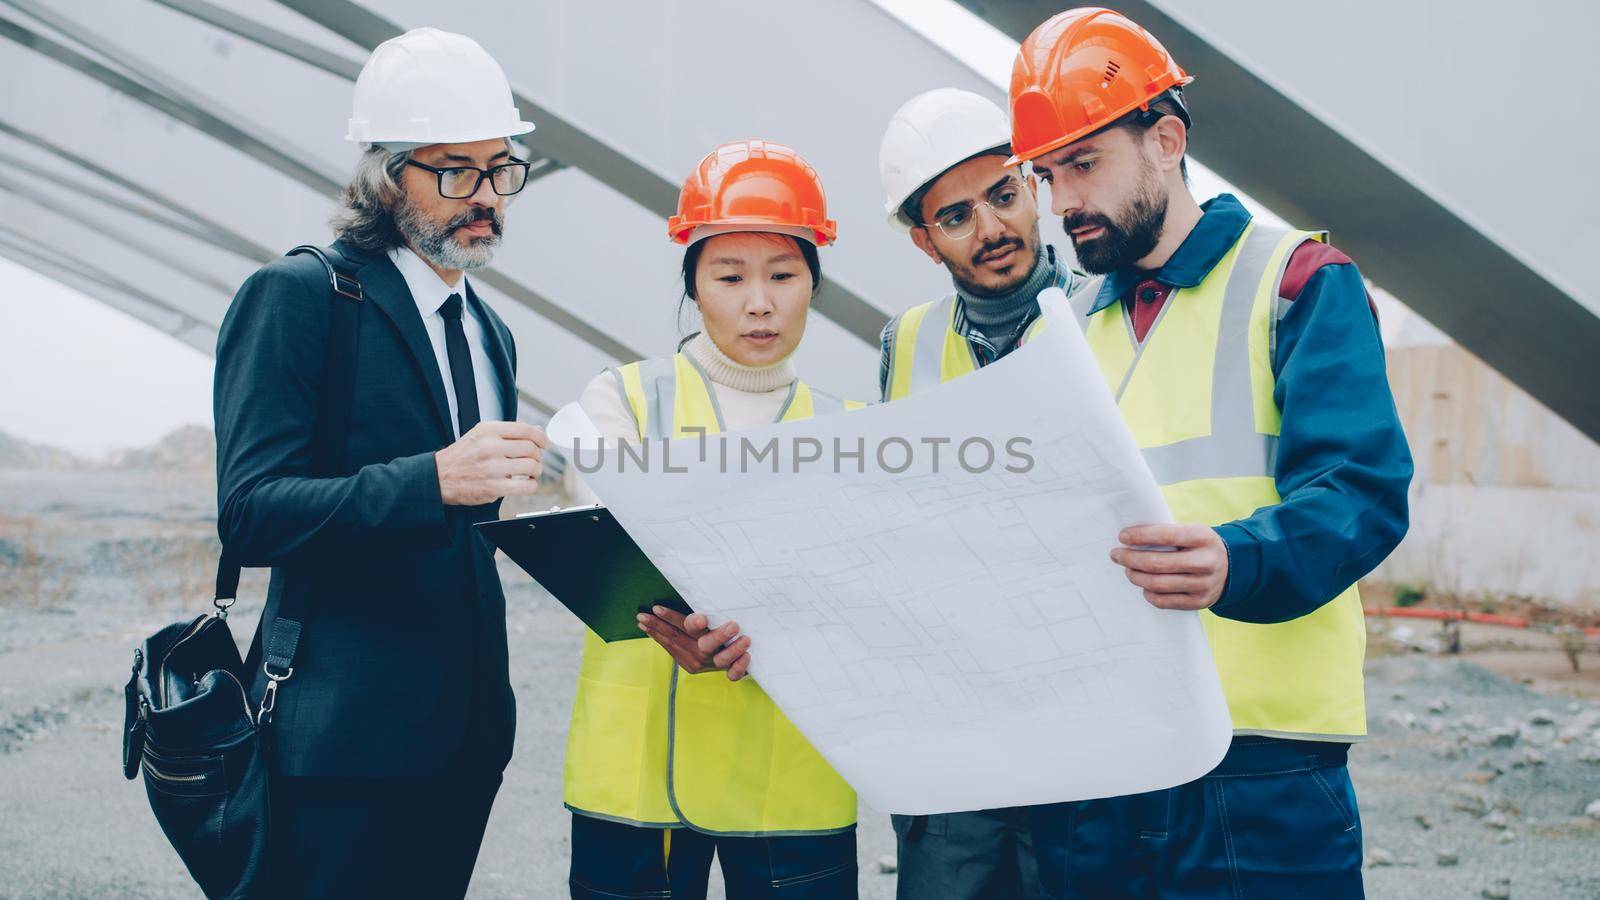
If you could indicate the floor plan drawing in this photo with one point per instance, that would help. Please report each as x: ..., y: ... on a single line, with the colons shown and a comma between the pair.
x: 951, y: 638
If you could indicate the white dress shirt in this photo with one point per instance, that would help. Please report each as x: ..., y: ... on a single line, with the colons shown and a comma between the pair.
x: 430, y: 292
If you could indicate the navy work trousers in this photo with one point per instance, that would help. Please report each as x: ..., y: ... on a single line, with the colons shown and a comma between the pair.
x: 613, y: 859
x: 1275, y: 819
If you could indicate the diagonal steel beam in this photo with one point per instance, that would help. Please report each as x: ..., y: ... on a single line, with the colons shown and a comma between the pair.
x: 300, y: 50
x: 117, y: 294
x: 1454, y: 275
x: 199, y: 338
x: 196, y: 335
x: 210, y: 234
x: 565, y: 139
x: 214, y: 231
x: 23, y: 242
x: 194, y: 111
x: 267, y: 36
x: 85, y: 191
x: 146, y: 248
x: 54, y: 262
x: 203, y: 117
x: 557, y: 136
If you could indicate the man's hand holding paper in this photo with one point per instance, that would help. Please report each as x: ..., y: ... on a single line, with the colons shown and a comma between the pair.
x: 1191, y: 575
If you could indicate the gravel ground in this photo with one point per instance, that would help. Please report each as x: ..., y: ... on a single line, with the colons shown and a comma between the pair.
x: 1465, y: 765
x: 1472, y: 784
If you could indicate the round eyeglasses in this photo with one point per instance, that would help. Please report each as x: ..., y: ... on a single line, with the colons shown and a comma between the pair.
x: 959, y: 222
x: 461, y: 182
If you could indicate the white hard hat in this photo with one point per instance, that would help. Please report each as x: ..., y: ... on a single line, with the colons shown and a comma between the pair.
x: 929, y: 134
x: 432, y: 87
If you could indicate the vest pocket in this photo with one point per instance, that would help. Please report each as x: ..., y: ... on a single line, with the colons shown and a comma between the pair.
x: 605, y: 750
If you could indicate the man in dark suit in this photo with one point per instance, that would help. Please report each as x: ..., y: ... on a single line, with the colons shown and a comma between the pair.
x: 391, y: 732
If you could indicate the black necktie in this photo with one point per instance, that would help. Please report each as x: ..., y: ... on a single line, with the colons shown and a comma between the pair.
x: 455, y: 345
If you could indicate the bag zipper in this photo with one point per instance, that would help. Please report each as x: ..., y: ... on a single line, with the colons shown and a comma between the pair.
x: 223, y: 744
x: 194, y: 628
x: 153, y: 772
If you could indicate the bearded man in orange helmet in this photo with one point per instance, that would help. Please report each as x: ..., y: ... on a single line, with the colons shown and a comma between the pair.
x: 1247, y: 362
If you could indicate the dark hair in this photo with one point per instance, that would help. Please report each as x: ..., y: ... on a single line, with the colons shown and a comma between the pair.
x: 1140, y: 121
x: 691, y: 264
x: 912, y: 207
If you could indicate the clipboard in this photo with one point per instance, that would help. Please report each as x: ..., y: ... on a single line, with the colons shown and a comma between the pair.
x: 585, y: 559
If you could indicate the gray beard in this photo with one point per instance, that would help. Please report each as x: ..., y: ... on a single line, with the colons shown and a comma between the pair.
x: 436, y: 242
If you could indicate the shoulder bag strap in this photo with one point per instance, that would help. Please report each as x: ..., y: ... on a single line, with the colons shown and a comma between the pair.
x: 282, y: 639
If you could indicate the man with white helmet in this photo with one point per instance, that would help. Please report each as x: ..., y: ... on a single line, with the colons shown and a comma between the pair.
x: 942, y: 162
x: 365, y: 406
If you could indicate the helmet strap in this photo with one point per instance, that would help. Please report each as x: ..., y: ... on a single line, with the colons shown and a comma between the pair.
x: 1148, y: 116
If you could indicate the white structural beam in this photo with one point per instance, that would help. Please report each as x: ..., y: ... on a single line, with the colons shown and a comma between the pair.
x: 633, y: 98
x: 210, y: 134
x: 206, y: 167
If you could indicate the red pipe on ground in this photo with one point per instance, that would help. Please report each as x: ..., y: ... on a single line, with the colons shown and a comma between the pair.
x: 1409, y: 612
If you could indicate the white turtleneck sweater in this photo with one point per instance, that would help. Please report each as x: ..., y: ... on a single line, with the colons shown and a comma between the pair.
x: 749, y: 396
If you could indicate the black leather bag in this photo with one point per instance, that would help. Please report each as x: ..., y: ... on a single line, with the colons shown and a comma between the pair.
x: 191, y: 731
x: 191, y: 727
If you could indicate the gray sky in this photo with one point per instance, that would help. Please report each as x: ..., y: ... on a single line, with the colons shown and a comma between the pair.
x: 81, y: 375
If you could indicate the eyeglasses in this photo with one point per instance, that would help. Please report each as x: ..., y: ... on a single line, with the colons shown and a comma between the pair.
x: 958, y: 223
x: 461, y: 182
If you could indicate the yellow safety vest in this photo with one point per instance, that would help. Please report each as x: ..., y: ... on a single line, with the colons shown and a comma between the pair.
x: 653, y: 745
x: 1198, y: 397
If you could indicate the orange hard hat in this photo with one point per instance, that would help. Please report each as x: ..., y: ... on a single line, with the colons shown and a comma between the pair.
x: 753, y: 186
x: 1080, y: 71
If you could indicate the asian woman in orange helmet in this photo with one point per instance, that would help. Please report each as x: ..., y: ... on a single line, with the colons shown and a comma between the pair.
x: 673, y: 756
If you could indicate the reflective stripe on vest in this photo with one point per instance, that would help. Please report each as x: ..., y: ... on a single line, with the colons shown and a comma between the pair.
x: 1241, y: 437
x: 1198, y: 396
x: 653, y: 745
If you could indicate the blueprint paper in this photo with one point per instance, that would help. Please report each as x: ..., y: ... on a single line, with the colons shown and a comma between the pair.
x: 948, y: 639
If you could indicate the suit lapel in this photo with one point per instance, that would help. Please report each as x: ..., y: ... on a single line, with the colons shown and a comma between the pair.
x: 387, y: 290
x: 499, y: 353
